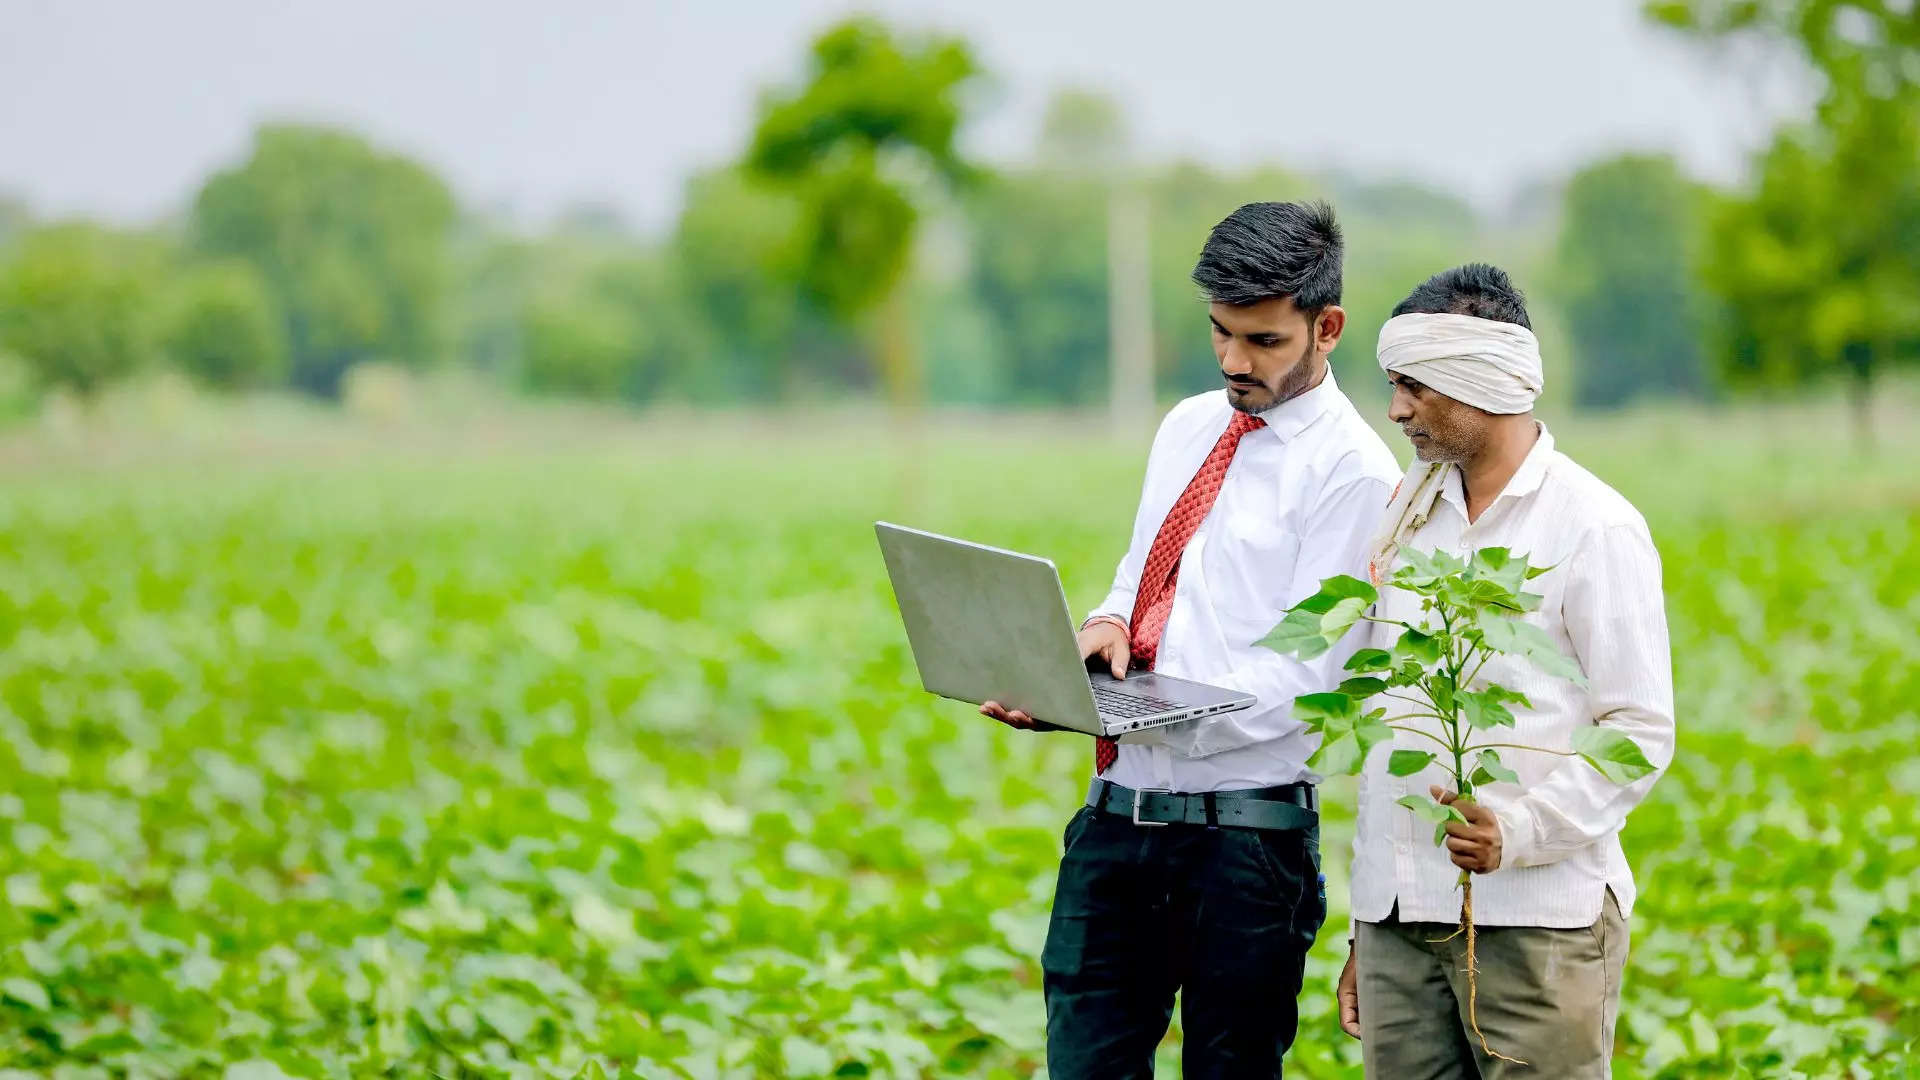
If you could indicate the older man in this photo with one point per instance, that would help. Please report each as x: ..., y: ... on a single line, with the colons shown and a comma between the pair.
x: 1553, y: 904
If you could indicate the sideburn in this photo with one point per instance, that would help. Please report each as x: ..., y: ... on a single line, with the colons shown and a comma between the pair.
x: 1299, y: 378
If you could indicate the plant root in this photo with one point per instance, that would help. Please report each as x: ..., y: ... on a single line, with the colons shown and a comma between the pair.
x: 1473, y: 971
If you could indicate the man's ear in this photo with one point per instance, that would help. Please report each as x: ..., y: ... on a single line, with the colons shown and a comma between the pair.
x: 1327, y: 328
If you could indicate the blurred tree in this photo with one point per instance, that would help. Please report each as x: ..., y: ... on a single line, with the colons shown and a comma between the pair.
x: 1039, y: 267
x: 351, y: 241
x: 220, y: 327
x: 578, y: 345
x: 1861, y: 49
x: 76, y: 305
x: 861, y: 143
x: 1628, y: 242
x: 733, y: 250
x: 1039, y: 261
x: 494, y: 274
x: 1819, y: 267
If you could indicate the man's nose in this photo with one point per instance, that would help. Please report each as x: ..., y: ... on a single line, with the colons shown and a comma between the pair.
x: 1234, y: 361
x: 1399, y: 409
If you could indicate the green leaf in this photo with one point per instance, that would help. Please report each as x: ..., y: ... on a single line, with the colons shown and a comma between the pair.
x: 1430, y: 809
x: 1408, y: 762
x: 1297, y: 635
x: 513, y: 1018
x: 1518, y: 637
x: 1370, y: 660
x: 1418, y: 645
x: 255, y: 1069
x: 1618, y: 757
x: 1312, y: 626
x: 1346, y: 587
x: 1484, y: 710
x: 1422, y: 569
x: 1423, y: 806
x: 1495, y: 769
x: 804, y: 1058
x: 26, y: 992
x: 1346, y: 736
x: 1499, y: 567
x: 1321, y: 619
x: 1363, y: 687
x: 1318, y: 711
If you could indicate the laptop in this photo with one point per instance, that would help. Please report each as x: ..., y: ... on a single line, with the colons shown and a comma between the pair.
x: 987, y: 624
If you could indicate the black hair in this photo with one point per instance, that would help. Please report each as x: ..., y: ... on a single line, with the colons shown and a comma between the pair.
x: 1267, y: 250
x: 1477, y: 289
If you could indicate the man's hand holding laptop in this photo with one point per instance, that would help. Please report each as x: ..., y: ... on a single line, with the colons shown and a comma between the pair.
x: 1103, y: 637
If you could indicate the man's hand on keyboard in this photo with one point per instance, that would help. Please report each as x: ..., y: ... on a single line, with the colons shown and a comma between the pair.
x: 1103, y: 636
x: 1015, y: 718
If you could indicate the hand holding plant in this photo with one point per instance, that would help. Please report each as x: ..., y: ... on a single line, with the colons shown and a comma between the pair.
x: 1473, y: 610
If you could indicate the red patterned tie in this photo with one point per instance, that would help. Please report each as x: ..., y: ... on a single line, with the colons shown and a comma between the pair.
x: 1153, y: 601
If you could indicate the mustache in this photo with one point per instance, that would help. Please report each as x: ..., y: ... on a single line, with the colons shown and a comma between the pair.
x: 1241, y: 380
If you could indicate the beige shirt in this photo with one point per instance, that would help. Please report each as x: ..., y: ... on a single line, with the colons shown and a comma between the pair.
x: 1560, y: 825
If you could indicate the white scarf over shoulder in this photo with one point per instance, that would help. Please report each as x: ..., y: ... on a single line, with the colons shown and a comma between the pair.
x: 1491, y: 365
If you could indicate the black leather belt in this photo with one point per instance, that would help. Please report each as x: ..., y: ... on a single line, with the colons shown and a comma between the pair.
x: 1290, y: 806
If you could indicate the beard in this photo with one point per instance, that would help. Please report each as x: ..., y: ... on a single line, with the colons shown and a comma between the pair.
x: 1298, y: 380
x: 1448, y: 445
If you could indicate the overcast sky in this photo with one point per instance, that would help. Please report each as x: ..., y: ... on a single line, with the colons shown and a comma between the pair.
x: 120, y: 109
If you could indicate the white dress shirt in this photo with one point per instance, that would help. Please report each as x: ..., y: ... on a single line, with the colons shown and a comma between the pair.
x: 1560, y: 825
x: 1299, y: 503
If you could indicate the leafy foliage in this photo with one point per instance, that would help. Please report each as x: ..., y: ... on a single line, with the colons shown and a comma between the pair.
x: 1476, y: 606
x: 351, y: 241
x: 1628, y: 281
x: 610, y: 754
x: 76, y: 303
x: 221, y: 327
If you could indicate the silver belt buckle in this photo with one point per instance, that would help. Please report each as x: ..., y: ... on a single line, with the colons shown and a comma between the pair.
x: 1140, y: 794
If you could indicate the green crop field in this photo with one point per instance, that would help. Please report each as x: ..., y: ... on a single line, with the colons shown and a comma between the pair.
x: 533, y: 757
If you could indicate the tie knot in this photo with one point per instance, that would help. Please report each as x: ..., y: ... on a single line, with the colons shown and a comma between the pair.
x: 1243, y: 423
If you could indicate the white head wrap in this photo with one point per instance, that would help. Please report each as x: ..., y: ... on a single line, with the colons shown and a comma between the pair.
x: 1491, y: 365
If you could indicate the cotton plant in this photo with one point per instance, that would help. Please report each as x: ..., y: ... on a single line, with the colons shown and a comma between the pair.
x: 1472, y: 610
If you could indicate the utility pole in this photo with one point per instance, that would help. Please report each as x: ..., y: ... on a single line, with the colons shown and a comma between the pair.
x: 1129, y: 312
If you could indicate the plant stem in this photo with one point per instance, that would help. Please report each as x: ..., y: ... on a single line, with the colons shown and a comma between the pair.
x: 1517, y: 746
x: 1481, y: 664
x: 1422, y: 734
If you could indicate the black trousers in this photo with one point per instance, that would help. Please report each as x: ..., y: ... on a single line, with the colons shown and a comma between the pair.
x: 1225, y: 916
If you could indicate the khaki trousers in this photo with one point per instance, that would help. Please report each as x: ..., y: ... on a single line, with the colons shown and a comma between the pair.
x: 1547, y: 997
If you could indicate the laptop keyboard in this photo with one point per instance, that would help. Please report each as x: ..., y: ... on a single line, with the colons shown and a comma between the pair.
x: 1116, y: 703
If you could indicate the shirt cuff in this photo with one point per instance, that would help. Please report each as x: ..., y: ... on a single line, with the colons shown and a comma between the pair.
x: 1107, y: 616
x: 1519, y: 842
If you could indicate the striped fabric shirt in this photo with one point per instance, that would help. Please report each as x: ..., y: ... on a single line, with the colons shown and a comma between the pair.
x: 1560, y: 825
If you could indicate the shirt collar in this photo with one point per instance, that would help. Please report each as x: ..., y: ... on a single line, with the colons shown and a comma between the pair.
x: 1296, y: 414
x: 1525, y: 480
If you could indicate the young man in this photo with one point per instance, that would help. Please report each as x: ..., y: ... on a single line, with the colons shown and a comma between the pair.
x: 1254, y: 492
x: 1552, y: 906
